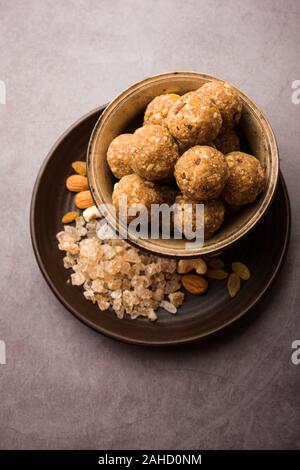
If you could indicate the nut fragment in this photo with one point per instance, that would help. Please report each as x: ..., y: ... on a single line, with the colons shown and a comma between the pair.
x: 241, y: 270
x: 186, y: 266
x: 79, y: 167
x: 176, y: 298
x: 70, y: 217
x: 91, y: 213
x: 83, y: 200
x: 77, y: 183
x: 218, y: 274
x: 168, y: 306
x: 194, y: 284
x: 215, y: 263
x: 233, y: 284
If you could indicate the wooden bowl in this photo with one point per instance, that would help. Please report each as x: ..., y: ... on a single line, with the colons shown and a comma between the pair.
x: 125, y: 113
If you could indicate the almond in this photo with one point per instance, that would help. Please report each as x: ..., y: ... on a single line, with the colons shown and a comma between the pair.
x: 83, y: 200
x: 79, y: 167
x: 194, y: 284
x: 77, y: 183
x: 215, y: 263
x: 70, y: 217
x: 218, y: 274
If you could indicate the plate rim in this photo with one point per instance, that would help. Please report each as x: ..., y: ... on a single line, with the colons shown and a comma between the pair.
x: 117, y: 336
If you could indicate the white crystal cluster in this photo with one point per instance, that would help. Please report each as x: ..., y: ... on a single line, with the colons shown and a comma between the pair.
x: 115, y: 274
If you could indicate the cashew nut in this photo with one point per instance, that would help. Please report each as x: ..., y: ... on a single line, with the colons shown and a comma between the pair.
x: 186, y: 266
x: 91, y: 213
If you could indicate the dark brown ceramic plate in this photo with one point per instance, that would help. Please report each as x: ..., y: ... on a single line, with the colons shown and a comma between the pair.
x: 263, y: 251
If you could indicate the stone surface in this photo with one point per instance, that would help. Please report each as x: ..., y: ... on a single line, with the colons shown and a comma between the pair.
x: 65, y: 386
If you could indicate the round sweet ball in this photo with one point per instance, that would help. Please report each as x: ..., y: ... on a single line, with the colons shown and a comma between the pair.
x: 214, y: 212
x: 227, y: 101
x: 119, y: 155
x: 167, y: 194
x: 194, y: 119
x: 227, y: 142
x: 201, y: 173
x: 187, y: 94
x: 155, y: 152
x: 182, y: 147
x: 246, y: 179
x: 133, y: 191
x: 157, y: 110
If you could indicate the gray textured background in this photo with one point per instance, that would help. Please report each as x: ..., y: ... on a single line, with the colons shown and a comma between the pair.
x: 65, y: 386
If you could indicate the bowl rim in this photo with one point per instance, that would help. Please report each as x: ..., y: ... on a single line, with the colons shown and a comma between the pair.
x: 155, y: 248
